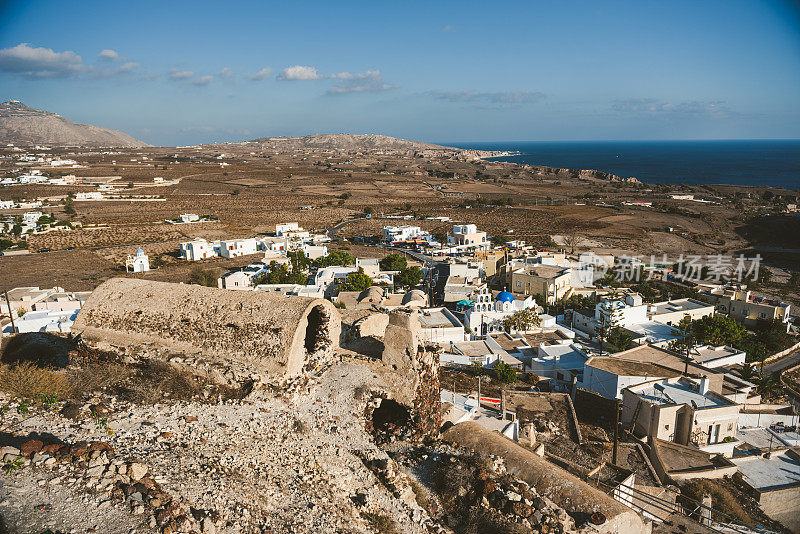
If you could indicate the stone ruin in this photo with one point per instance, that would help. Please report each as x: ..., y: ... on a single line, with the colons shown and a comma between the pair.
x: 275, y: 335
x: 413, y: 370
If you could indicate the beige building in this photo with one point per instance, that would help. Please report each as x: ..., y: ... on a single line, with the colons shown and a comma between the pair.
x: 748, y: 308
x: 553, y: 283
x: 681, y: 410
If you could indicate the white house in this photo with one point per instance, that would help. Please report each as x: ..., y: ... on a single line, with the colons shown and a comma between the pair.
x: 89, y: 195
x: 140, y: 263
x: 189, y: 217
x: 562, y: 362
x: 6, y: 204
x: 468, y: 237
x: 314, y: 252
x: 281, y: 229
x: 609, y: 375
x: 439, y: 325
x: 46, y: 321
x: 487, y: 313
x: 237, y: 247
x: 392, y: 234
x: 198, y: 249
x: 31, y: 217
x: 62, y: 162
x: 713, y: 357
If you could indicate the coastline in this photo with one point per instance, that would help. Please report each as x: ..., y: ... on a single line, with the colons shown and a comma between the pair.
x: 741, y: 163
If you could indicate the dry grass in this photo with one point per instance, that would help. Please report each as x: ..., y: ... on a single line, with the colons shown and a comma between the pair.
x: 156, y: 380
x: 28, y: 381
x: 721, y: 500
x: 96, y: 377
x: 383, y: 524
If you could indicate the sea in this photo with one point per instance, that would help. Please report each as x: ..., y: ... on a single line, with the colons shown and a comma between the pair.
x: 773, y: 163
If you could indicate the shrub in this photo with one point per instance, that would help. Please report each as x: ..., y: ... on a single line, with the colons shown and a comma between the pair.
x: 95, y: 377
x: 29, y: 381
x: 505, y: 373
x: 383, y: 524
x: 203, y: 277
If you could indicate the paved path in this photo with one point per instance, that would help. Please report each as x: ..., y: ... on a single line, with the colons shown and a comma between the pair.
x: 790, y: 360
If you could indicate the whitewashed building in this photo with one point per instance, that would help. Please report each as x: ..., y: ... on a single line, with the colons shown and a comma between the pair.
x: 140, y: 263
x: 237, y: 247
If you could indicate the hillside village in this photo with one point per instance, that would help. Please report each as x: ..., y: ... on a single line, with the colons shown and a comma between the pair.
x: 364, y: 334
x: 642, y: 387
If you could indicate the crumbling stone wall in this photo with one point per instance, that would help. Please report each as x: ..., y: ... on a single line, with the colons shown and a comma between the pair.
x: 276, y: 335
x: 417, y: 368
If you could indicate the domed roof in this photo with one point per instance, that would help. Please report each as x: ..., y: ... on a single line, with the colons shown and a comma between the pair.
x: 504, y: 296
x: 139, y: 252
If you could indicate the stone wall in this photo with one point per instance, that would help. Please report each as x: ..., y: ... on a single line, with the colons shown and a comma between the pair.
x: 276, y: 335
x: 415, y: 367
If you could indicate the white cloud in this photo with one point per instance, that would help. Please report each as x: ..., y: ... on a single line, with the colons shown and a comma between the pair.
x: 226, y: 74
x: 369, y: 81
x: 110, y: 55
x: 298, y: 72
x: 263, y: 74
x: 29, y: 62
x: 203, y: 80
x: 180, y: 75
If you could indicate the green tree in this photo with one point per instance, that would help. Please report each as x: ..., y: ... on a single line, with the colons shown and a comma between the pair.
x: 203, y: 277
x: 747, y: 372
x: 505, y: 373
x: 499, y: 239
x: 393, y: 262
x: 356, y: 282
x: 335, y: 257
x: 409, y: 277
x: 522, y: 321
x: 620, y: 338
x: 606, y: 324
x: 719, y: 330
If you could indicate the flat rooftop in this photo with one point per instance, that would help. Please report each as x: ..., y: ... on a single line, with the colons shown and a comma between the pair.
x: 654, y: 331
x: 683, y: 392
x: 436, y: 318
x: 677, y: 458
x: 509, y: 343
x: 552, y: 337
x: 662, y: 358
x: 543, y: 271
x: 707, y: 354
x: 621, y: 367
x: 779, y: 471
x: 471, y: 348
x: 679, y: 305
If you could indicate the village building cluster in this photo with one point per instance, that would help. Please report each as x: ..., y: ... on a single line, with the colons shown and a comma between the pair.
x: 494, y: 309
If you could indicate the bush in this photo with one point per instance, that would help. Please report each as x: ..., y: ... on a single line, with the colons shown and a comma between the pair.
x: 505, y: 373
x: 356, y: 282
x: 203, y: 277
x: 393, y: 262
x: 29, y: 381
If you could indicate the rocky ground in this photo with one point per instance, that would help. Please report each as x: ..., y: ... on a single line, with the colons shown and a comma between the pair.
x: 256, y: 465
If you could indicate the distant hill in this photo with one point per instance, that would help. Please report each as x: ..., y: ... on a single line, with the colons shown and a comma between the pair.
x: 349, y: 142
x: 22, y: 125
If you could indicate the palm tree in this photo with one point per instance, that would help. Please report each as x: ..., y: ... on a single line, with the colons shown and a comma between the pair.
x: 747, y: 372
x: 768, y: 386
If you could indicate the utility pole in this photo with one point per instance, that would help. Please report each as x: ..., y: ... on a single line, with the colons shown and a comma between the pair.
x: 10, y: 313
x: 616, y: 432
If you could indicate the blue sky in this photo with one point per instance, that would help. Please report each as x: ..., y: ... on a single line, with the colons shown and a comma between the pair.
x: 174, y: 72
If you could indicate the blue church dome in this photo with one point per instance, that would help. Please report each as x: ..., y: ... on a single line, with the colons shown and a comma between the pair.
x: 139, y: 252
x: 504, y: 296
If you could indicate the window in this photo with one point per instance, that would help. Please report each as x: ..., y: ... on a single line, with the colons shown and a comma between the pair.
x: 666, y: 427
